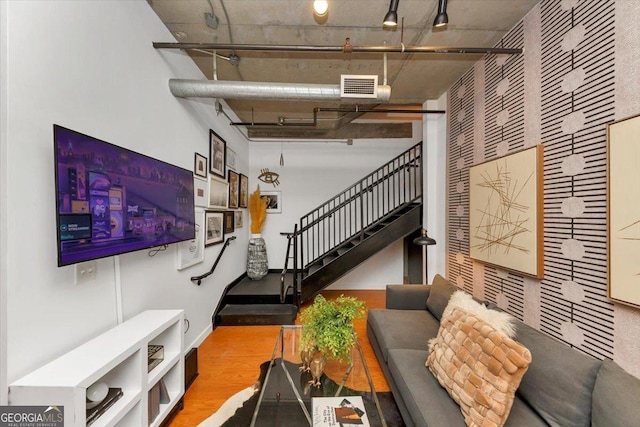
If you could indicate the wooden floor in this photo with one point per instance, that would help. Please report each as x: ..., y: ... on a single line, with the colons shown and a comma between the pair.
x: 229, y: 361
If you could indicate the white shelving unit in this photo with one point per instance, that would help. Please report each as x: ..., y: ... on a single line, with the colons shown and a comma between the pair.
x: 119, y: 358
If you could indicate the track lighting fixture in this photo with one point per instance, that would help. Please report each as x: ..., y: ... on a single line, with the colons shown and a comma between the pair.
x: 391, y: 18
x: 320, y: 7
x: 442, y: 19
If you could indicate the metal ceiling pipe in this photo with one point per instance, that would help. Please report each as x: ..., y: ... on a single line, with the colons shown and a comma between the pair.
x: 186, y: 88
x: 356, y: 109
x: 351, y: 49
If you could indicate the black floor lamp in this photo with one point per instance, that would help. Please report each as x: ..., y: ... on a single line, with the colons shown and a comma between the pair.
x: 424, y: 241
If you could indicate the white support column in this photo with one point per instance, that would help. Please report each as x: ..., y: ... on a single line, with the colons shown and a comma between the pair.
x: 434, y: 194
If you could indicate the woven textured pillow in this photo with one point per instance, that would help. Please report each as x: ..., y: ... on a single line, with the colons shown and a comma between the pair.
x: 479, y: 366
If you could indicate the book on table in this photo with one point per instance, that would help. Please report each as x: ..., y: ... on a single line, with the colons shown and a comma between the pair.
x: 339, y: 411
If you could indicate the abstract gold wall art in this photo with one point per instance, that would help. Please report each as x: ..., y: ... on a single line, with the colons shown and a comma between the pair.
x: 623, y: 139
x: 505, y: 212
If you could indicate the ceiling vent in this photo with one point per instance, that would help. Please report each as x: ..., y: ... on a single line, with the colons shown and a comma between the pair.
x: 352, y: 86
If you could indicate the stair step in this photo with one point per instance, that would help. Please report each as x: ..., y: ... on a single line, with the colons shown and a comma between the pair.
x: 258, y: 314
x: 328, y: 259
x: 314, y: 268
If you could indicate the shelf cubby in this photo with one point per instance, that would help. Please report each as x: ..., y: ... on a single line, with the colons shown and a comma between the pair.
x: 118, y: 357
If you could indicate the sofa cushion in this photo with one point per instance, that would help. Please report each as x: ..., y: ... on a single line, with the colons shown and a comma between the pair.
x: 480, y: 366
x: 409, y: 329
x: 559, y: 382
x: 427, y: 402
x: 439, y: 294
x: 615, y: 397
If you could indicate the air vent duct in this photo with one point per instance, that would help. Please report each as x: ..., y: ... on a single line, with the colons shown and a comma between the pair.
x: 353, y: 86
x: 273, y: 91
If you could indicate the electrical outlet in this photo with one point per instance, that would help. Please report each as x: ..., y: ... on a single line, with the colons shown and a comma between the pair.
x: 85, y: 272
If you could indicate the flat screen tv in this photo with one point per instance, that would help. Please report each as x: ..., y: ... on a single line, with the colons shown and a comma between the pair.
x: 111, y: 200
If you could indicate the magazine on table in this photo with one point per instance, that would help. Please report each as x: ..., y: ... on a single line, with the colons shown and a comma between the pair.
x: 341, y: 411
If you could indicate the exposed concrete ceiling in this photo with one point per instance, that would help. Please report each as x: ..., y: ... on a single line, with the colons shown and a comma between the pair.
x: 414, y: 78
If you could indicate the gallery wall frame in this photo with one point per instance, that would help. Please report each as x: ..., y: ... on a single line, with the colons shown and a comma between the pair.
x: 244, y: 191
x: 234, y: 190
x: 191, y: 252
x: 217, y: 155
x: 200, y: 165
x: 229, y: 219
x: 231, y: 159
x: 214, y: 227
x: 274, y: 201
x: 623, y: 222
x: 506, y: 221
x: 218, y: 193
x: 200, y: 192
x: 237, y: 221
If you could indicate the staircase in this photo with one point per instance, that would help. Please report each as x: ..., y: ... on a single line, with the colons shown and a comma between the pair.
x: 332, y: 240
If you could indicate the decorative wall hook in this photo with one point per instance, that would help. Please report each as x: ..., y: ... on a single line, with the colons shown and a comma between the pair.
x: 269, y: 177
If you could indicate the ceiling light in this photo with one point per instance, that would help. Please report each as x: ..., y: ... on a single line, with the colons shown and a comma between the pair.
x: 320, y: 7
x: 391, y: 18
x: 442, y: 19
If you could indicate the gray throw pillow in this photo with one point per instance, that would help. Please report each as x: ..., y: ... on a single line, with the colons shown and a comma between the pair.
x: 615, y: 397
x: 439, y: 294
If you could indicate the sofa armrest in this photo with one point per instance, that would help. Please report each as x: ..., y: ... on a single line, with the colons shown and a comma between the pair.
x: 407, y: 297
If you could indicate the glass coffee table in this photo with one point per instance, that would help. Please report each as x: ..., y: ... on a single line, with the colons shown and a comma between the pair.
x: 286, y: 395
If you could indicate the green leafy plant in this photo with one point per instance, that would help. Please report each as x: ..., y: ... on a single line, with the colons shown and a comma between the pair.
x: 328, y: 326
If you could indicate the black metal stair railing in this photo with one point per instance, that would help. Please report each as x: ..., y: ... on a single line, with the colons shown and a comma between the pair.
x: 347, y: 217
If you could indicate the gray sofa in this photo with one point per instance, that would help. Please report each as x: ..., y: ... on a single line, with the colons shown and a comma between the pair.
x: 562, y: 387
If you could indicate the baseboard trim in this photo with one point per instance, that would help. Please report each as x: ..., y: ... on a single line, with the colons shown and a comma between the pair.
x: 199, y: 339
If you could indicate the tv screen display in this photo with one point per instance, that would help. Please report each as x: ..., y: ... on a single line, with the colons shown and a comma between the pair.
x: 111, y: 200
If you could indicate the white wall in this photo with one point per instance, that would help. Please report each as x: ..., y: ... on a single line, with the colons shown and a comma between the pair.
x: 3, y: 206
x: 313, y: 173
x: 90, y: 66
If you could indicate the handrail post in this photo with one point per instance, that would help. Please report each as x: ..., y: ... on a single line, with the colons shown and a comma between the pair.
x: 296, y: 294
x: 361, y: 213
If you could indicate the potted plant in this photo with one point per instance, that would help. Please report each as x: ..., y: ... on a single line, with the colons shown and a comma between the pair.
x: 328, y: 326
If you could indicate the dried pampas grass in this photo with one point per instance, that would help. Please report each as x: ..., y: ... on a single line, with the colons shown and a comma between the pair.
x: 257, y: 210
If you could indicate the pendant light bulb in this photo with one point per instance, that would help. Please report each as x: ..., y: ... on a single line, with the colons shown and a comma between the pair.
x: 281, y: 156
x: 320, y: 7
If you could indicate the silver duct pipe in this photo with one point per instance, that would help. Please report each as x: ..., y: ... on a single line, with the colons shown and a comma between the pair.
x: 265, y: 91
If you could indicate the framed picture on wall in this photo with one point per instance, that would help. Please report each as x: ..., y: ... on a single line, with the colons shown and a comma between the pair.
x: 623, y: 174
x: 200, y: 192
x: 505, y: 212
x: 229, y: 222
x: 217, y: 155
x: 234, y: 188
x: 231, y: 159
x: 200, y: 165
x: 191, y: 252
x: 237, y: 221
x: 213, y: 228
x: 244, y: 192
x: 274, y: 201
x: 218, y: 193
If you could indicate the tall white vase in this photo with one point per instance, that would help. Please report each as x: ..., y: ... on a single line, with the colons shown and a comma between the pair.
x: 257, y: 262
